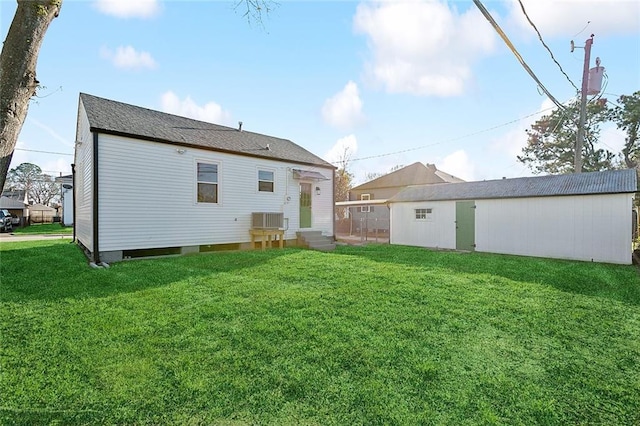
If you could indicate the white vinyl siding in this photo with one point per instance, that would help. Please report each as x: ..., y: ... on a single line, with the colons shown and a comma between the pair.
x: 83, y: 186
x: 406, y: 229
x: 161, y: 209
x: 67, y: 206
x: 322, y: 214
x: 587, y: 227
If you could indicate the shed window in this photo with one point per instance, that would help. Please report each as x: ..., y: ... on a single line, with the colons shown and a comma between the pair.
x: 424, y: 214
x: 265, y: 181
x: 207, y: 183
x: 367, y: 197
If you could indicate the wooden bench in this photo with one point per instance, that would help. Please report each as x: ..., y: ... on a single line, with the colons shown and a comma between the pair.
x: 266, y: 235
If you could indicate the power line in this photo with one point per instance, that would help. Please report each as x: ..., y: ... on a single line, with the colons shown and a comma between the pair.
x: 42, y: 152
x: 545, y: 45
x: 495, y: 25
x: 452, y: 139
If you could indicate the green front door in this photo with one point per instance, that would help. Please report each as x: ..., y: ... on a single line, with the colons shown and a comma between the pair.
x: 305, y: 205
x: 465, y: 225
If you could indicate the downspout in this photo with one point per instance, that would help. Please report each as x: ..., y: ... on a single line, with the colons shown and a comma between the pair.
x: 333, y: 197
x: 96, y: 246
x: 73, y: 199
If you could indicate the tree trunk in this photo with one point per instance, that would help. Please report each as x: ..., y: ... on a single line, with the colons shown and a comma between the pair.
x: 18, y: 71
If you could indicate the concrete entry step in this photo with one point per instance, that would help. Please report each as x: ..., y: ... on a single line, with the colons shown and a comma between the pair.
x: 315, y: 240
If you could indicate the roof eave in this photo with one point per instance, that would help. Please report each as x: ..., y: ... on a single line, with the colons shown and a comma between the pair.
x: 205, y: 148
x: 419, y: 200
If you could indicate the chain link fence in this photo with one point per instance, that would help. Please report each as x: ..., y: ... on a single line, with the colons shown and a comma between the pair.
x: 363, y: 226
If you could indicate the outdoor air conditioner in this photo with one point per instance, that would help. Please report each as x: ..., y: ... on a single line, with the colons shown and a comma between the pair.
x: 264, y: 220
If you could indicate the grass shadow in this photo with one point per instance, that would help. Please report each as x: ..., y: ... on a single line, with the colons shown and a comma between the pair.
x: 53, y: 270
x: 615, y: 282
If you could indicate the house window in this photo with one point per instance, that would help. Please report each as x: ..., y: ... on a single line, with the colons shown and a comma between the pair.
x: 424, y: 214
x: 265, y: 181
x: 365, y: 209
x: 207, y: 183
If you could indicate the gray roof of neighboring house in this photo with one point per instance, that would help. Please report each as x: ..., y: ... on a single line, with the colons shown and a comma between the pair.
x: 117, y: 118
x: 11, y: 203
x: 16, y: 194
x: 64, y: 179
x: 41, y: 208
x: 414, y: 174
x: 607, y: 182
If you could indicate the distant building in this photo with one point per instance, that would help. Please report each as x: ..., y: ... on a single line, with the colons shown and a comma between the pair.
x: 367, y: 208
x: 581, y: 216
x: 66, y: 198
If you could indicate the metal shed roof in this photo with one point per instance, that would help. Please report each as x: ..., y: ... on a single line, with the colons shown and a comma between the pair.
x: 10, y: 203
x: 607, y: 182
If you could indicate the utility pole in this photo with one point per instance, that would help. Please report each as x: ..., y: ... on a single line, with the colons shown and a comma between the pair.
x: 583, y: 105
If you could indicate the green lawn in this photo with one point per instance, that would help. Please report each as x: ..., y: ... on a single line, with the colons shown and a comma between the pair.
x: 43, y: 228
x: 362, y: 336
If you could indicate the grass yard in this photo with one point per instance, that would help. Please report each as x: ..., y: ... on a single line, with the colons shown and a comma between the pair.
x: 361, y: 336
x: 43, y: 228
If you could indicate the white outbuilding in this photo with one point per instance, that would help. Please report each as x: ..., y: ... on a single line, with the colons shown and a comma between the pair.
x: 584, y: 216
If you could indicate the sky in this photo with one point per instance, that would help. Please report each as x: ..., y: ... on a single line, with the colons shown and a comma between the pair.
x: 382, y: 83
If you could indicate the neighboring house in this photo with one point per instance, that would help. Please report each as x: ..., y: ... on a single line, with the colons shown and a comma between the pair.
x: 66, y: 198
x: 149, y: 183
x: 17, y: 208
x: 584, y: 216
x: 367, y: 208
x: 39, y: 213
x: 18, y: 194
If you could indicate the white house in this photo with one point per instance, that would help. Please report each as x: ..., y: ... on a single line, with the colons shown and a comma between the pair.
x: 150, y: 183
x: 585, y: 216
x: 66, y: 197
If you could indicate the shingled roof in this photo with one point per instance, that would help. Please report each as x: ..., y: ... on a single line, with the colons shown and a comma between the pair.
x: 117, y: 118
x: 11, y: 203
x: 607, y: 182
x: 414, y: 174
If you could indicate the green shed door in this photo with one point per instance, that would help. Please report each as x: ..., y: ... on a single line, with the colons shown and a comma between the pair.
x: 465, y: 225
x: 305, y: 205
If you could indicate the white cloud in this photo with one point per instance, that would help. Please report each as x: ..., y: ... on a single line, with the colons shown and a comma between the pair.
x: 49, y: 163
x: 210, y: 112
x: 568, y: 17
x: 126, y: 57
x: 612, y: 139
x: 458, y: 164
x: 511, y: 143
x: 55, y: 135
x: 344, y: 109
x: 57, y: 166
x: 423, y: 47
x: 129, y: 8
x: 344, y: 147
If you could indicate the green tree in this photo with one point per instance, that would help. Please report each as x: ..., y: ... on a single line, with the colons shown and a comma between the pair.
x: 626, y: 115
x: 24, y: 178
x: 45, y: 191
x: 552, y: 140
x: 40, y: 188
x: 343, y: 182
